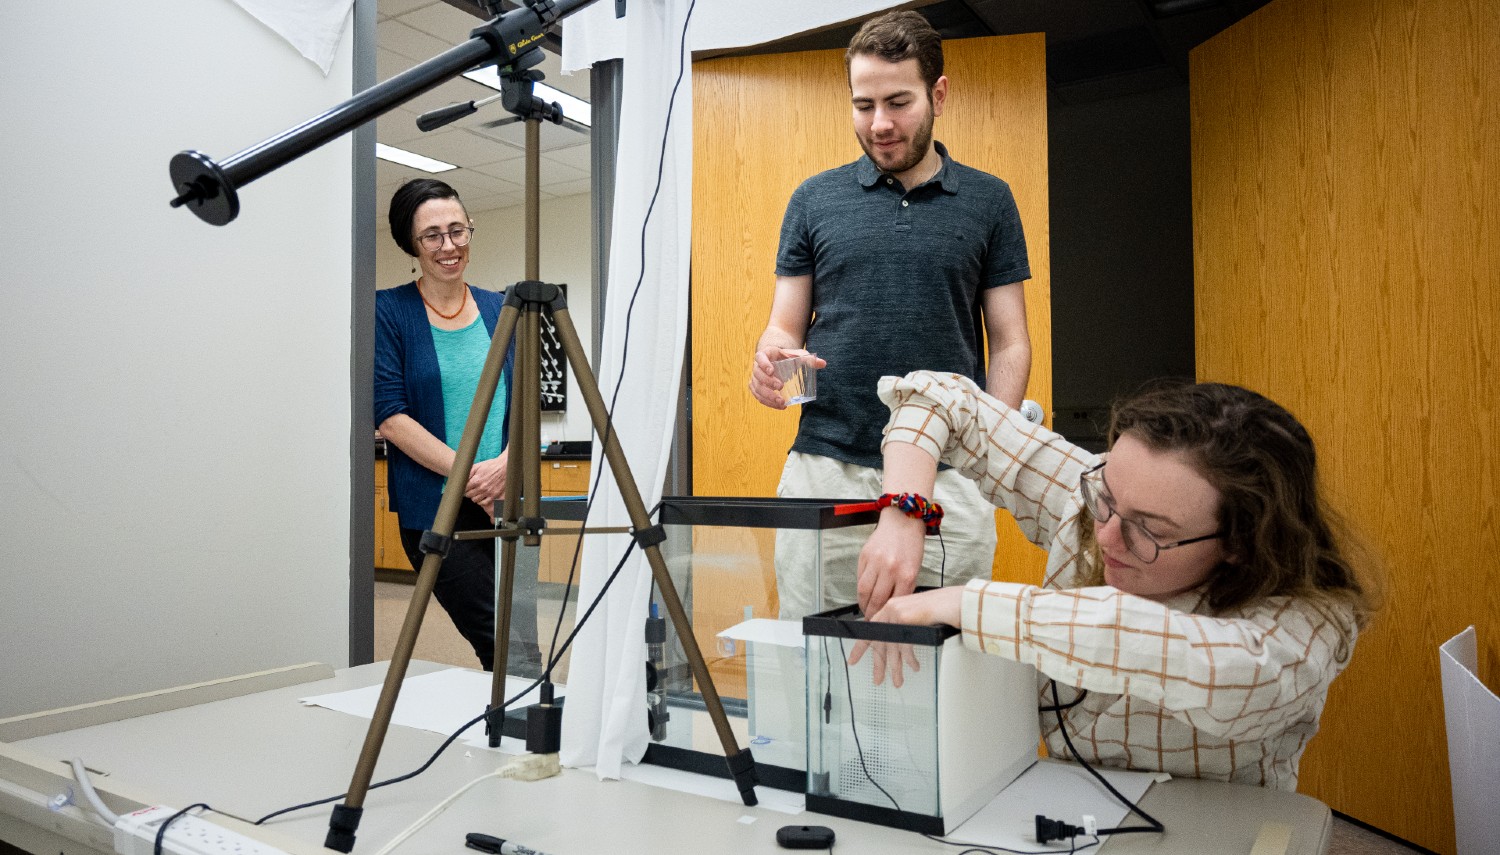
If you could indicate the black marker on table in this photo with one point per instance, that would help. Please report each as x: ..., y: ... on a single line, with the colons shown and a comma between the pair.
x: 497, y: 846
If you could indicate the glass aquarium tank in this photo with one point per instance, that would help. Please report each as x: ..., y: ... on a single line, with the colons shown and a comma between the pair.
x: 927, y: 755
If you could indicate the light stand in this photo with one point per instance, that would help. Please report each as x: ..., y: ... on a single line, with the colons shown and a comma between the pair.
x: 210, y: 189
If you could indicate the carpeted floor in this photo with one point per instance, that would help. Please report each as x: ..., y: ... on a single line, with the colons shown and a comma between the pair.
x: 440, y: 642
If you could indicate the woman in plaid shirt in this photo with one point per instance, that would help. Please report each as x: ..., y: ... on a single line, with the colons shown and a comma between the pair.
x: 1199, y: 596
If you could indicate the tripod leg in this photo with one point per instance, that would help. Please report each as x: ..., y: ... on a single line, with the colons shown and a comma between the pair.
x: 345, y: 820
x: 522, y: 480
x: 741, y: 764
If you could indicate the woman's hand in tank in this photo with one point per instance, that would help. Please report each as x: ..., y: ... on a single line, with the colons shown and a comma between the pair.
x: 487, y: 482
x: 941, y: 605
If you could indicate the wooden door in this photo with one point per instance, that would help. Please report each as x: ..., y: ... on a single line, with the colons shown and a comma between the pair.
x: 764, y: 124
x: 1346, y: 225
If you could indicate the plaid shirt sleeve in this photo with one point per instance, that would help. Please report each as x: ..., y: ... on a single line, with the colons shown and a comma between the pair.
x: 1244, y: 677
x: 1021, y: 467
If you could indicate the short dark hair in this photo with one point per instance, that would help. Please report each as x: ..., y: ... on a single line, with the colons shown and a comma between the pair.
x: 404, y: 204
x: 899, y: 36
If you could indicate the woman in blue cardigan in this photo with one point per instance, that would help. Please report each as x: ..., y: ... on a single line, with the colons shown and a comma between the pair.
x: 431, y: 338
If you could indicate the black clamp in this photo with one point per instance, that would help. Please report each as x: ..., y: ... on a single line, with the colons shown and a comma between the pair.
x: 432, y: 542
x: 532, y: 525
x: 646, y: 538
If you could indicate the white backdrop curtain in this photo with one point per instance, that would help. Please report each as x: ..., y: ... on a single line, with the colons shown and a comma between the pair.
x: 313, y: 27
x: 605, y: 723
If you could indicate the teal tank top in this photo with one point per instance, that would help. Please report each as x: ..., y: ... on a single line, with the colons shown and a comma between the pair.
x: 460, y: 356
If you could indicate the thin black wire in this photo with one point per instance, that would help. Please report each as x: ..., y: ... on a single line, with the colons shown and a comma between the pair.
x: 991, y: 848
x: 473, y: 721
x: 943, y: 560
x: 849, y: 689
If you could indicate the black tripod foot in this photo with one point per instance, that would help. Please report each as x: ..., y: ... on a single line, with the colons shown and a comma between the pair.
x: 494, y: 724
x: 742, y: 769
x: 341, y: 828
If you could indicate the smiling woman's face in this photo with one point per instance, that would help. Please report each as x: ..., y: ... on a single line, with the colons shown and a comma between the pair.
x: 446, y: 263
x: 1164, y: 492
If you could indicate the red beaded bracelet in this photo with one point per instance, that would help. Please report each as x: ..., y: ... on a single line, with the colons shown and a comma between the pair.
x: 916, y: 506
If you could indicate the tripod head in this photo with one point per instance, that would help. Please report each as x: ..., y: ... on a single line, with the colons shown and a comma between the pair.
x: 517, y: 95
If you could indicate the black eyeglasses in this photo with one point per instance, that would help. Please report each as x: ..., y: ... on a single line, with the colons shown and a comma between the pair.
x: 1139, y: 541
x: 433, y: 241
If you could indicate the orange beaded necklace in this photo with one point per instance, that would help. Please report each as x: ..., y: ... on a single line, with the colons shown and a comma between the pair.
x: 435, y: 310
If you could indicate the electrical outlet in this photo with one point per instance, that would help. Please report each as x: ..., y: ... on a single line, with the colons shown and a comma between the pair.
x: 135, y: 834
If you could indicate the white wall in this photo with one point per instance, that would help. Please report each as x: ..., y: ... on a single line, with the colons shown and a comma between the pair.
x: 498, y: 259
x: 174, y: 438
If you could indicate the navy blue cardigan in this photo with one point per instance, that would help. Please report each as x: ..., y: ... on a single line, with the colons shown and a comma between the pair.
x: 407, y: 381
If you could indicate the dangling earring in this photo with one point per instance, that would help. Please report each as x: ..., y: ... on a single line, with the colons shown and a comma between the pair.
x: 414, y: 265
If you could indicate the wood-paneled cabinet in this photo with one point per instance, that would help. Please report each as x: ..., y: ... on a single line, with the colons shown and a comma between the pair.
x: 388, y: 552
x: 561, y: 478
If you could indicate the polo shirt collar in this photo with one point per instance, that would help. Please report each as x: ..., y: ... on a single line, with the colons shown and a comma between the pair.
x: 946, y: 177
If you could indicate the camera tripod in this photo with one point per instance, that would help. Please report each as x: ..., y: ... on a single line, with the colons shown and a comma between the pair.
x: 520, y: 318
x: 522, y: 309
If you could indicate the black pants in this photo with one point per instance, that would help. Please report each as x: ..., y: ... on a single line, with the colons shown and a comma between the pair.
x: 466, y: 590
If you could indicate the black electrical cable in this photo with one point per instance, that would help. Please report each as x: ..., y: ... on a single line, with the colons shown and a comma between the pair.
x: 1155, y: 826
x: 1083, y: 693
x: 161, y: 833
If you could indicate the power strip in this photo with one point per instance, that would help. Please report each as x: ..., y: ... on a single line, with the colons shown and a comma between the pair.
x: 135, y: 834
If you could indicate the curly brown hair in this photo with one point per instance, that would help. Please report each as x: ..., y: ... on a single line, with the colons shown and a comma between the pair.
x: 1281, y: 537
x: 899, y: 36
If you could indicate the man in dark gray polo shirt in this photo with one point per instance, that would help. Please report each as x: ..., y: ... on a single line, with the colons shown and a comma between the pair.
x: 890, y: 264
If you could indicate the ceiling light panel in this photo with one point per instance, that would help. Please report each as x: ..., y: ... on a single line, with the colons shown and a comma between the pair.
x: 412, y: 159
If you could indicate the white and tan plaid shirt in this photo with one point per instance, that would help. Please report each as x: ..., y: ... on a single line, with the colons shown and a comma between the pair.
x: 1233, y: 696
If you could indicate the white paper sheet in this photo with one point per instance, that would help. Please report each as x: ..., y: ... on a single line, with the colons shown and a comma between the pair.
x: 722, y: 789
x: 1473, y: 716
x: 781, y: 633
x: 1055, y: 790
x: 440, y: 702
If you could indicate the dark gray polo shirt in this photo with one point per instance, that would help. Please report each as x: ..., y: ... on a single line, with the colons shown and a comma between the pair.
x: 896, y: 282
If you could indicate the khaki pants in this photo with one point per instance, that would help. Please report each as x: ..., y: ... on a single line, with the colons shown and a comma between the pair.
x: 967, y: 549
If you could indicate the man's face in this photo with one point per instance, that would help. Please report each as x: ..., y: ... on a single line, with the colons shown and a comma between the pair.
x: 893, y: 110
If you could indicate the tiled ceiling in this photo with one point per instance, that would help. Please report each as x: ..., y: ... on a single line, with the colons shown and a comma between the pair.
x: 1095, y: 49
x: 490, y: 157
